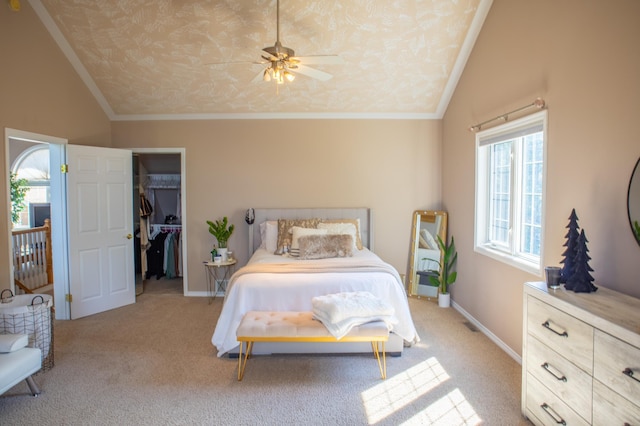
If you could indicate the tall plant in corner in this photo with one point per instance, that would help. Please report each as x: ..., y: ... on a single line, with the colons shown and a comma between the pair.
x: 447, y: 274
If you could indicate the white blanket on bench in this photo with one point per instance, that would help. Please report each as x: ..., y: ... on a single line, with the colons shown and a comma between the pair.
x: 340, y: 312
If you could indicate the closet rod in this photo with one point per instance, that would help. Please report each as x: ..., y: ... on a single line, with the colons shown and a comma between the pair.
x: 538, y: 103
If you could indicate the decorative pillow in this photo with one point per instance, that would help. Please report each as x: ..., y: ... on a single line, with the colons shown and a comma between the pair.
x: 269, y: 235
x: 12, y: 342
x: 429, y: 239
x: 341, y: 226
x: 325, y: 246
x: 298, y: 232
x: 263, y: 230
x: 284, y: 231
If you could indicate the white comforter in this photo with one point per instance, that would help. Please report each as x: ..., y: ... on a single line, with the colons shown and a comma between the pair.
x: 298, y: 281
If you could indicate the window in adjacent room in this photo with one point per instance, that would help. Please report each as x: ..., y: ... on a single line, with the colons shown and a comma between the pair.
x: 510, y: 182
x: 33, y: 165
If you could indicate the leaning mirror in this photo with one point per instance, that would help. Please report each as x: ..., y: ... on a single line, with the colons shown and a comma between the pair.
x: 633, y: 202
x: 425, y: 256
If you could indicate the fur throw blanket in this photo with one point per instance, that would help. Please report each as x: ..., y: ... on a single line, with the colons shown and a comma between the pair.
x: 340, y: 312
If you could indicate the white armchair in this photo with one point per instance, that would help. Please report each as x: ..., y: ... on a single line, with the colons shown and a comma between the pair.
x: 18, y: 362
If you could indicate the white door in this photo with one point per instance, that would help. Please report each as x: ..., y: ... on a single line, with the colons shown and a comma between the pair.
x: 100, y: 222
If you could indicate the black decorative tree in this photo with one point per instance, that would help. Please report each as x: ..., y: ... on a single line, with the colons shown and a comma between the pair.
x: 570, y: 251
x: 581, y: 281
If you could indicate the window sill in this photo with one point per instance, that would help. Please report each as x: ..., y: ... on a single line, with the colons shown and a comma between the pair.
x: 517, y: 262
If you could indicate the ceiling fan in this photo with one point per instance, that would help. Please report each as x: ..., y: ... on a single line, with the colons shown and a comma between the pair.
x: 282, y: 65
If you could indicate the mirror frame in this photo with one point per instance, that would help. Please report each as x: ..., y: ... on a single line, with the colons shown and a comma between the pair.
x: 633, y: 199
x: 419, y: 216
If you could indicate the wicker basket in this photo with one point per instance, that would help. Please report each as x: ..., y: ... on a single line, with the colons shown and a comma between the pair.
x: 30, y: 315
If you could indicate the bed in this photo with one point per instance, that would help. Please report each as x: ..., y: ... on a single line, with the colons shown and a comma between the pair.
x: 275, y: 282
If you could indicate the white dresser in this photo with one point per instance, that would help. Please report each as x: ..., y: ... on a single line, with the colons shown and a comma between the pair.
x: 580, y: 357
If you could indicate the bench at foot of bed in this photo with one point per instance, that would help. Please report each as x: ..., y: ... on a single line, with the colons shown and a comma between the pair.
x: 257, y: 326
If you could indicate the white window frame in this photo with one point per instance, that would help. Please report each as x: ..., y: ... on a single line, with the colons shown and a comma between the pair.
x: 508, y: 253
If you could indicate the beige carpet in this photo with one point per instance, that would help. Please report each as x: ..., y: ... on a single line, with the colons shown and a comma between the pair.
x: 153, y: 363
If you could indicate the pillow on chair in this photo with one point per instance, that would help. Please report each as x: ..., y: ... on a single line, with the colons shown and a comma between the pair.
x: 12, y: 342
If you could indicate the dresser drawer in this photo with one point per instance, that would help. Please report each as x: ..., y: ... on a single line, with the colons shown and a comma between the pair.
x: 565, y: 334
x: 548, y: 409
x: 612, y: 358
x: 568, y: 382
x: 609, y: 408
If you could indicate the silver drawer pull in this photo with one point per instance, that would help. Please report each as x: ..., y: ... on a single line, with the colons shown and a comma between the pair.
x: 548, y: 327
x: 629, y: 372
x: 546, y: 367
x: 553, y: 414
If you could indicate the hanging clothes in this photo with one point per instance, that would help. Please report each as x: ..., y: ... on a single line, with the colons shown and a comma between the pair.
x: 164, y: 257
x: 169, y: 257
x: 144, y: 244
x: 155, y: 256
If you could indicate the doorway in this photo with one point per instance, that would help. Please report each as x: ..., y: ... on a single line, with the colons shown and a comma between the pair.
x: 160, y: 244
x: 16, y: 143
x: 60, y: 232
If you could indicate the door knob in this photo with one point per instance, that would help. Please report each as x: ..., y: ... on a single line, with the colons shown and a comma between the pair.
x: 129, y: 236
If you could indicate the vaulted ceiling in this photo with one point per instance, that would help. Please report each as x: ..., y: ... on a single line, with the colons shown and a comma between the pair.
x: 161, y: 59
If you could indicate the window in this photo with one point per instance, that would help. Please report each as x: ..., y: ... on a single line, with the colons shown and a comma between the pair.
x: 510, y: 180
x: 33, y: 165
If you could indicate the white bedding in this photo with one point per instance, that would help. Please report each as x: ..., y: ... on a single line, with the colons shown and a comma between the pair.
x: 302, y: 280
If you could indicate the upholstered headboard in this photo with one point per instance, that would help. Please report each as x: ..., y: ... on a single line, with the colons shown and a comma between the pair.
x: 364, y: 214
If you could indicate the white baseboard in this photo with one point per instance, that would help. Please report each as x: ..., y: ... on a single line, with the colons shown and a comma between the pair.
x: 219, y: 294
x: 488, y: 333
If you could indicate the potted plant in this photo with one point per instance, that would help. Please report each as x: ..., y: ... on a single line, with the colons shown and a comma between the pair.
x: 447, y: 274
x: 221, y: 230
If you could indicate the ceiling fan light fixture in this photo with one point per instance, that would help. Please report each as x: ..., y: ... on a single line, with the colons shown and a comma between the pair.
x: 280, y: 61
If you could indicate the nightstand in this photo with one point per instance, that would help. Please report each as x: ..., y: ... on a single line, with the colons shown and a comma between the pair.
x: 217, y: 275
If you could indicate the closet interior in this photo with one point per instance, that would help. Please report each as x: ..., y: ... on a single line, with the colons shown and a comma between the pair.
x: 157, y: 201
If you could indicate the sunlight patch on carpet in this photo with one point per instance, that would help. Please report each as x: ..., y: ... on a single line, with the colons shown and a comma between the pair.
x: 396, y: 392
x: 451, y: 410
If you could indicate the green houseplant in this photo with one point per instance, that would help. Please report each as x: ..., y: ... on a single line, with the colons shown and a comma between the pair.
x: 221, y: 230
x: 447, y: 274
x: 18, y: 193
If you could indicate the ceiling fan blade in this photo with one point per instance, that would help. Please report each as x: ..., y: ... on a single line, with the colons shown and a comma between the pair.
x: 318, y: 59
x: 268, y: 56
x: 259, y: 77
x: 311, y: 72
x: 235, y: 63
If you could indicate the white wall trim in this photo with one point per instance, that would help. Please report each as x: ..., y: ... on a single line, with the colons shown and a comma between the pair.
x: 280, y: 116
x: 488, y: 333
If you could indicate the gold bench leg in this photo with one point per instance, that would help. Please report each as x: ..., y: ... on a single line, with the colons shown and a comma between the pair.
x: 243, y: 363
x: 382, y: 364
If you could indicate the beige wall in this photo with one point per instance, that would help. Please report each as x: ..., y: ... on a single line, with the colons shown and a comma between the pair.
x: 40, y: 93
x: 583, y: 58
x: 391, y: 166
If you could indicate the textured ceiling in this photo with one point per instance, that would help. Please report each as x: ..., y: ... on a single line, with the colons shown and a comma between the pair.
x: 152, y: 59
